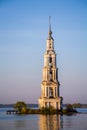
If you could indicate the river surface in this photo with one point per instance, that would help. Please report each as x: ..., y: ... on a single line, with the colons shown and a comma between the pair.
x: 43, y: 122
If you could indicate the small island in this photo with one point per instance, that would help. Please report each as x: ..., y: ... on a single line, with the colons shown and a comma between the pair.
x: 21, y: 108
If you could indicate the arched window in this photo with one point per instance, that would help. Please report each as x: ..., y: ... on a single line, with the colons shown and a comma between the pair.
x: 50, y: 59
x: 51, y: 92
x: 50, y: 75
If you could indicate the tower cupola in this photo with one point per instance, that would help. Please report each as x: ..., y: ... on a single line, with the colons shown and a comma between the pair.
x: 50, y: 40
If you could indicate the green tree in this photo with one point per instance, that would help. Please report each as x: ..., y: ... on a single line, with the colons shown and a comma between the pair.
x: 69, y: 108
x: 20, y: 105
x: 47, y: 110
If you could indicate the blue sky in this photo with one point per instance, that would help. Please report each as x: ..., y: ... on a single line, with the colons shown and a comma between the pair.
x: 23, y: 34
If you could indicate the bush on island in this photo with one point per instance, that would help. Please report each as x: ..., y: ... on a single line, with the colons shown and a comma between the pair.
x: 69, y: 109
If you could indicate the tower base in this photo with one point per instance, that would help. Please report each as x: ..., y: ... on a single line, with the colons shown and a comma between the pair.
x: 47, y: 102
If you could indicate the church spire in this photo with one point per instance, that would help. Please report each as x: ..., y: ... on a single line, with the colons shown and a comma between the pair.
x: 50, y: 32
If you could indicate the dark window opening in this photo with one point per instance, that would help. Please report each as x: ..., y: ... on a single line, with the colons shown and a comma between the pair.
x: 50, y: 59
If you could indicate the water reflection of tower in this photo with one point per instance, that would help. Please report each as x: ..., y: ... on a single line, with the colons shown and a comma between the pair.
x: 49, y: 122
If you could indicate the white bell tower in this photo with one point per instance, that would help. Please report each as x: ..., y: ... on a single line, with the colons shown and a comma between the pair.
x: 50, y: 85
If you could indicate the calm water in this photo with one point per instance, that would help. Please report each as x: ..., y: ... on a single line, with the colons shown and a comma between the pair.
x: 43, y: 122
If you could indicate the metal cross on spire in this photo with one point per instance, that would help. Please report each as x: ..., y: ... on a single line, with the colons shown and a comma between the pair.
x: 49, y: 23
x: 50, y: 32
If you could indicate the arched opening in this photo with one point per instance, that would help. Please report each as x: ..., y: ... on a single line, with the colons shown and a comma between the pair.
x: 50, y: 92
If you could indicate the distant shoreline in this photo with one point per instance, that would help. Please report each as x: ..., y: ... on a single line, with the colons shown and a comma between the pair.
x: 12, y: 105
x: 36, y: 105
